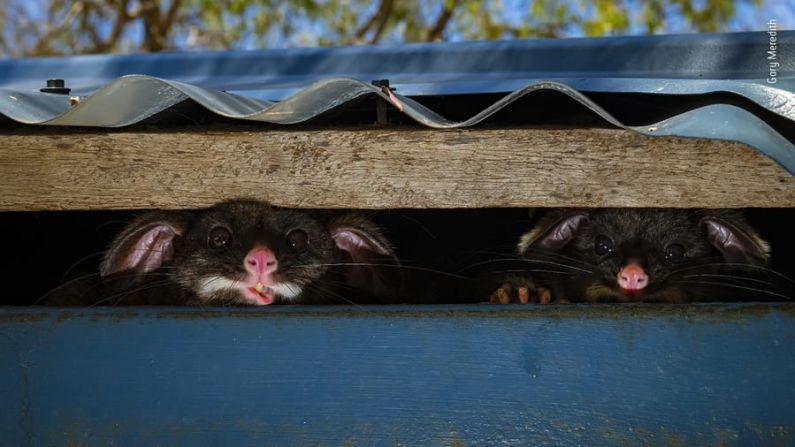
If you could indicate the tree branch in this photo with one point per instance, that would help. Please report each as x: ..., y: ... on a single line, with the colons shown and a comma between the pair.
x: 382, y: 19
x: 377, y: 20
x: 42, y: 46
x: 435, y: 32
x: 171, y: 14
x: 122, y: 18
x: 149, y: 12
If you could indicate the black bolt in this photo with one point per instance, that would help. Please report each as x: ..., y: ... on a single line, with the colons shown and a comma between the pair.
x: 383, y: 83
x: 57, y: 86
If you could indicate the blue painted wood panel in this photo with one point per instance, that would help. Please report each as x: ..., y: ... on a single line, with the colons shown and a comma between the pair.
x: 455, y: 375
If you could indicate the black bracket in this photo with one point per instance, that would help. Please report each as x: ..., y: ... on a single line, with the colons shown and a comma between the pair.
x: 380, y: 104
x: 57, y: 86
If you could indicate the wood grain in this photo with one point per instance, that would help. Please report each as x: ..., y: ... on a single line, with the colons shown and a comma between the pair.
x: 382, y: 168
x: 399, y: 376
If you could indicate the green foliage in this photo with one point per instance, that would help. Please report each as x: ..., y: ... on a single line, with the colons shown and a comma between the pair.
x: 608, y: 18
x: 86, y: 26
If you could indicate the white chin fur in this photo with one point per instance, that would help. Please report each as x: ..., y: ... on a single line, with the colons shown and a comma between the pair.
x: 212, y: 284
x: 208, y: 286
x: 287, y: 291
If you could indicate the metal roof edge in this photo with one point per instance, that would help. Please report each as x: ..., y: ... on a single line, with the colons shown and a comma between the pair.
x: 729, y: 56
x: 143, y: 96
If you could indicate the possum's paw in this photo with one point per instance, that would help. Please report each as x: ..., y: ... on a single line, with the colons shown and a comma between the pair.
x: 520, y: 291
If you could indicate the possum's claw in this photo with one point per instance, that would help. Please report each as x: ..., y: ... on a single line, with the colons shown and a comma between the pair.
x: 520, y: 291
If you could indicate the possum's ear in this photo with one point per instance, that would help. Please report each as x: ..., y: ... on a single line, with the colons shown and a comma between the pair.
x: 145, y: 244
x: 370, y: 264
x: 553, y: 231
x: 735, y: 239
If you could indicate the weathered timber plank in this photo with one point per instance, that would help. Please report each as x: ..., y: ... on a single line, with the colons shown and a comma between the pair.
x: 383, y: 168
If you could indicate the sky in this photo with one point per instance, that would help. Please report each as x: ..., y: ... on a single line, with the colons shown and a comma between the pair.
x: 748, y: 18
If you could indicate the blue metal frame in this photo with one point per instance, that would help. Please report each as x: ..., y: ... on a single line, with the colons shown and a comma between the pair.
x: 403, y: 375
x: 668, y: 64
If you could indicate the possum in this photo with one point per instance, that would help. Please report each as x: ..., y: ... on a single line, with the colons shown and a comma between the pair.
x: 640, y: 255
x: 244, y: 252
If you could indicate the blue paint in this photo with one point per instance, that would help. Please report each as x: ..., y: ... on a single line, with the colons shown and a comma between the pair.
x: 589, y: 64
x: 415, y: 375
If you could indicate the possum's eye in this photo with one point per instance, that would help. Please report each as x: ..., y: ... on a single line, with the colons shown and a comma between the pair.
x: 298, y: 239
x: 219, y: 237
x: 603, y: 245
x: 675, y: 253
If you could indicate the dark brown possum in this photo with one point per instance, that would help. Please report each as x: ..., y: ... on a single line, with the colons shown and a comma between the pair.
x: 244, y: 252
x: 641, y: 255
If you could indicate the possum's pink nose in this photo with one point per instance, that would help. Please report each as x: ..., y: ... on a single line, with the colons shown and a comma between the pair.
x: 260, y: 261
x: 632, y: 277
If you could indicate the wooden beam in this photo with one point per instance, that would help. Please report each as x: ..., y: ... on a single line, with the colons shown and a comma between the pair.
x: 381, y: 168
x: 399, y: 375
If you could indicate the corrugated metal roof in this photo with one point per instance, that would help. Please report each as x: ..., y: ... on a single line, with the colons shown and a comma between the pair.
x: 293, y: 86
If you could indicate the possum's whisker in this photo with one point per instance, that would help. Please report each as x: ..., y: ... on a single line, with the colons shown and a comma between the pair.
x: 117, y: 297
x: 423, y: 227
x: 80, y: 261
x: 557, y: 272
x: 63, y: 285
x: 370, y: 264
x: 541, y: 254
x: 720, y: 262
x: 545, y: 254
x: 494, y: 253
x: 99, y: 283
x: 327, y: 292
x: 491, y: 261
x: 734, y: 277
x: 737, y: 286
x: 737, y: 265
x: 125, y: 275
x: 558, y: 264
x: 529, y: 261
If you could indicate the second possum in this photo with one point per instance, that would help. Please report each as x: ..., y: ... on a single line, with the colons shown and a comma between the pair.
x: 245, y: 252
x: 639, y: 255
